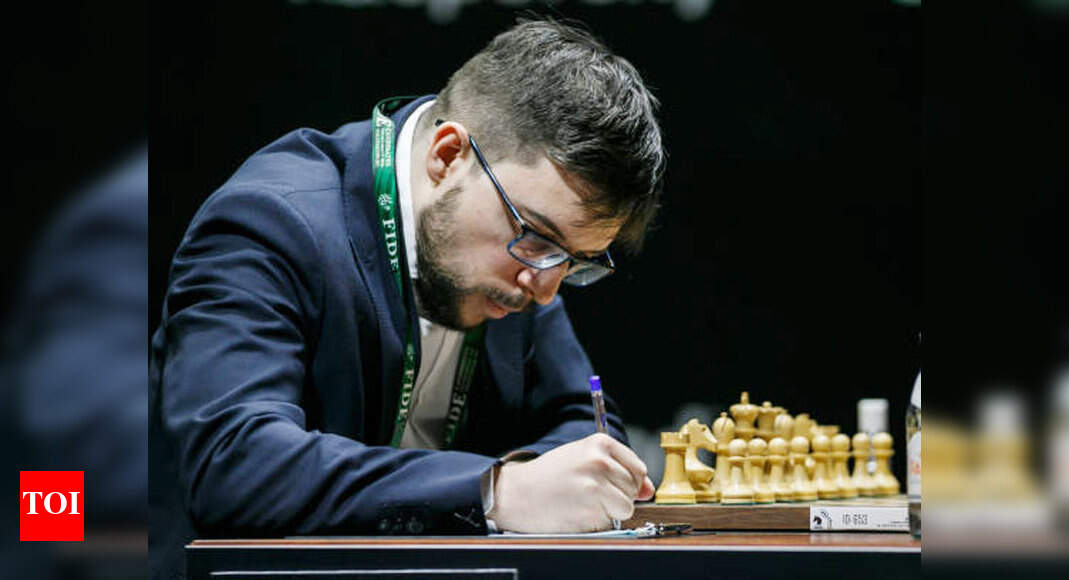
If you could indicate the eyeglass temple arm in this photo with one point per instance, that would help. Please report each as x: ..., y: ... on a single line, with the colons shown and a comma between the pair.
x: 493, y: 179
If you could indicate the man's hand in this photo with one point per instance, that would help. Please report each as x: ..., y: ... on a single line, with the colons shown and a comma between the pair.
x: 578, y: 487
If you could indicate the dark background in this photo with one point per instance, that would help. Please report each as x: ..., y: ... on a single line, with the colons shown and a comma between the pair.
x: 996, y: 205
x: 73, y: 277
x: 788, y: 257
x: 830, y: 164
x: 76, y: 82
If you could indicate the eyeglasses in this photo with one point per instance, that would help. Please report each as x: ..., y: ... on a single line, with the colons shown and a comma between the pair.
x: 537, y: 251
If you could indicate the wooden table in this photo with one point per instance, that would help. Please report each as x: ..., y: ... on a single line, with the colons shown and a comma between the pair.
x: 733, y: 555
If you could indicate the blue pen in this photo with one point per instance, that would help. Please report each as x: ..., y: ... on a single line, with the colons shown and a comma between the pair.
x: 599, y: 404
x: 599, y: 417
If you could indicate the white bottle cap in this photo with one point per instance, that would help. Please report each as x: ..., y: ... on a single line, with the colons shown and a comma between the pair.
x: 1001, y: 413
x: 872, y: 415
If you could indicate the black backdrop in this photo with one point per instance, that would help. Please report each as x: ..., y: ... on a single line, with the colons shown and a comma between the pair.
x: 787, y: 259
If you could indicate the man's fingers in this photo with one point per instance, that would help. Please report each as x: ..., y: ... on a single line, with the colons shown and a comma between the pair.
x: 617, y: 505
x: 627, y: 458
x: 647, y: 490
x: 620, y: 478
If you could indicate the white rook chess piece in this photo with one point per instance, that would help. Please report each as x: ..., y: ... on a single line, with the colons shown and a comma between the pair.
x: 675, y: 487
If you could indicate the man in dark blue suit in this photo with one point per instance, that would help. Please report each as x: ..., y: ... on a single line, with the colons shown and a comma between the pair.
x: 362, y: 333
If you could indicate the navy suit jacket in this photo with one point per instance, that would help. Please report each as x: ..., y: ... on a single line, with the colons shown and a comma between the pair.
x: 276, y: 368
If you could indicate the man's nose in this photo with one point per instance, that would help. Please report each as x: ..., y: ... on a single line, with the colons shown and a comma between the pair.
x: 542, y: 284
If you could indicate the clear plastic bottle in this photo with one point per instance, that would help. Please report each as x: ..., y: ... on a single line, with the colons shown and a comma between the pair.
x: 913, y: 458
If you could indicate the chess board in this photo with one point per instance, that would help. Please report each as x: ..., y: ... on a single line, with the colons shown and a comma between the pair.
x: 867, y: 514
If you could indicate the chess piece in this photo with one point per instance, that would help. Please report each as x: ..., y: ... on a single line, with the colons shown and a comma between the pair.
x: 805, y: 426
x: 829, y: 430
x: 814, y: 430
x: 886, y: 484
x: 757, y: 450
x: 766, y: 415
x: 802, y: 426
x: 782, y: 428
x: 777, y: 412
x: 822, y: 476
x: 723, y: 432
x: 737, y: 490
x: 840, y: 453
x: 777, y: 458
x: 675, y: 487
x: 862, y: 480
x: 744, y: 413
x: 800, y: 485
x: 700, y: 475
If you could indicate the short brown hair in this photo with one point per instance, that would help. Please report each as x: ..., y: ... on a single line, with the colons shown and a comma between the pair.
x: 550, y: 88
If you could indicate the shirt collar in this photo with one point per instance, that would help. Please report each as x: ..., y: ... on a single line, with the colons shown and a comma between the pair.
x: 402, y: 165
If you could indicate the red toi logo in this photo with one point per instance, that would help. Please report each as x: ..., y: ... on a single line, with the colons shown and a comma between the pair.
x: 51, y: 506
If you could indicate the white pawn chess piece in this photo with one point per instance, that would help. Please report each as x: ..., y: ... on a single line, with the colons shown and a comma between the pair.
x: 866, y: 487
x: 737, y: 490
x: 840, y: 453
x: 777, y: 459
x: 803, y: 489
x: 757, y: 451
x: 822, y: 479
x: 783, y: 429
x: 886, y: 483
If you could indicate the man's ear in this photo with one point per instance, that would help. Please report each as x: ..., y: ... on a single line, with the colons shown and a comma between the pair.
x: 449, y: 146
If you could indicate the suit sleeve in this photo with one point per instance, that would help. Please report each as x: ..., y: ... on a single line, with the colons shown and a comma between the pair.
x: 558, y: 405
x: 240, y: 320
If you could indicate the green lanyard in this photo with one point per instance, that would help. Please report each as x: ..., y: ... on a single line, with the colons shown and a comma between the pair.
x: 382, y: 162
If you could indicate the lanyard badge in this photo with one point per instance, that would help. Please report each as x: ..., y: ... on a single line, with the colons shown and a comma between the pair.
x: 385, y: 189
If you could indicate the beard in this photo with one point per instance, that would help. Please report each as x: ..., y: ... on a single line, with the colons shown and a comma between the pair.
x: 440, y: 290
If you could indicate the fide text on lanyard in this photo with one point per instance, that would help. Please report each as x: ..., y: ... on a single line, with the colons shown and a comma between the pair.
x: 382, y: 163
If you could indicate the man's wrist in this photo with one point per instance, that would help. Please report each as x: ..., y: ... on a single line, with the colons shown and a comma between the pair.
x: 499, y: 510
x: 492, y: 485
